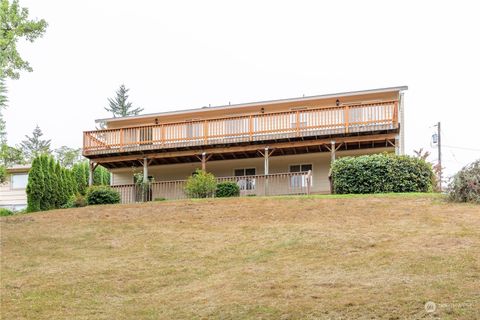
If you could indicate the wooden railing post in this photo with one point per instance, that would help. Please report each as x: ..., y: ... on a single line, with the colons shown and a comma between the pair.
x: 162, y: 130
x: 346, y: 118
x: 205, y: 132
x: 250, y: 128
x: 121, y: 139
x: 395, y: 114
x: 298, y: 123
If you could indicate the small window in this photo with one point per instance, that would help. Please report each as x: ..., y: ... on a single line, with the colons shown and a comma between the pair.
x: 247, y: 183
x: 300, y: 167
x: 19, y: 181
x: 300, y: 180
x: 245, y: 172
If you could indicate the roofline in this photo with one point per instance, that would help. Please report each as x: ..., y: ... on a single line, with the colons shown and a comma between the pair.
x: 19, y: 168
x: 265, y: 102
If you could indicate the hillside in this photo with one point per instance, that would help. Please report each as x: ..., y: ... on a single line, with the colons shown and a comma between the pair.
x: 269, y: 258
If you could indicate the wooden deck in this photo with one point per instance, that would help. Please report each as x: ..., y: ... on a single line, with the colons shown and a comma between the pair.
x: 255, y: 128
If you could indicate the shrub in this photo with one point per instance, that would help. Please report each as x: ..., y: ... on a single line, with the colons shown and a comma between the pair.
x: 102, y: 195
x: 227, y: 189
x: 201, y: 185
x: 160, y: 199
x: 381, y: 173
x: 5, y: 212
x: 76, y: 201
x: 465, y: 185
x: 3, y: 174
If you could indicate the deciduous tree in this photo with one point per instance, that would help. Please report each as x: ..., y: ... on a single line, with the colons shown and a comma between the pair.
x: 15, y: 25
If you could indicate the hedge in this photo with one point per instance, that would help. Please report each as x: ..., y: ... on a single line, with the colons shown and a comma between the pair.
x: 381, y: 173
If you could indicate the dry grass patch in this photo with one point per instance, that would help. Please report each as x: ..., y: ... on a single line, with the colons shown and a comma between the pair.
x: 269, y: 258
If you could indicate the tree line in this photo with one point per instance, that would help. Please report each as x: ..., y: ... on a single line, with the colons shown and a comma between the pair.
x: 51, y: 185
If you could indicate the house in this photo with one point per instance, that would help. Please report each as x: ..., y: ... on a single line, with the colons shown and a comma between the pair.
x: 13, y: 194
x: 270, y: 147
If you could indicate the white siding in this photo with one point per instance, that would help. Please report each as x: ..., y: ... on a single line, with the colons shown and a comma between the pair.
x: 12, y: 198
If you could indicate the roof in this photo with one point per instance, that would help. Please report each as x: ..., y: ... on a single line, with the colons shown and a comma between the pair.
x: 19, y: 168
x: 266, y: 102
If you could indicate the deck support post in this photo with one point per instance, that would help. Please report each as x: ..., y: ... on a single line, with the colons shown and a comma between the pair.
x: 332, y: 151
x: 204, y: 161
x: 145, y: 170
x: 397, y: 145
x: 91, y: 168
x: 266, y: 168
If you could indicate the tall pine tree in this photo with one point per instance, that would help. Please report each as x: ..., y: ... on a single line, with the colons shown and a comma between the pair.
x: 119, y: 107
x: 34, y: 146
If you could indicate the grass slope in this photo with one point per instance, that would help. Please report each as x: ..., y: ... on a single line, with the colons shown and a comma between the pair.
x: 270, y: 258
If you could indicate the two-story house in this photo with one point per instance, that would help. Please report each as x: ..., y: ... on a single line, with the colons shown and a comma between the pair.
x: 270, y: 147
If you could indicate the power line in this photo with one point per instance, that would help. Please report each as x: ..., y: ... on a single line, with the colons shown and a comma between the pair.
x: 461, y: 148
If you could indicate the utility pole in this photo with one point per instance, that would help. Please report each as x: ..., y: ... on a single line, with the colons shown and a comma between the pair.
x: 439, y: 156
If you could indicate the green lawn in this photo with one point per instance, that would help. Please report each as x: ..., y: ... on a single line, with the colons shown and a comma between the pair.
x: 315, y: 257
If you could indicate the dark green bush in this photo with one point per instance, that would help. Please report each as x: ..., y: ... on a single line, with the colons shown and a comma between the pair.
x: 102, y: 195
x: 5, y: 212
x: 381, y: 173
x: 201, y: 185
x: 465, y: 185
x: 160, y: 199
x: 227, y: 189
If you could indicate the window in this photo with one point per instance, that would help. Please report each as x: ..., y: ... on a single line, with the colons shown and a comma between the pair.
x: 19, y: 180
x: 248, y: 182
x: 300, y: 180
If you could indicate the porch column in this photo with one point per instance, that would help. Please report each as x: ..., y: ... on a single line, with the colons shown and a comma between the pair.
x: 266, y: 169
x: 397, y: 145
x: 204, y: 161
x: 265, y: 165
x: 91, y: 168
x: 332, y: 151
x: 332, y: 159
x: 145, y: 170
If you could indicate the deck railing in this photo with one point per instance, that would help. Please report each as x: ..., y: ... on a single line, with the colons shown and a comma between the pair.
x: 257, y: 127
x: 254, y: 185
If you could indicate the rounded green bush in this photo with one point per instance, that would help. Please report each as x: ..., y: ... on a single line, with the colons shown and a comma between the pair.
x: 227, y: 189
x: 201, y: 185
x: 381, y: 173
x: 102, y: 195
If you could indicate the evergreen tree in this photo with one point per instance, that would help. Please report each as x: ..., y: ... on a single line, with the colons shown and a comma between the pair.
x: 54, y: 197
x: 64, y: 187
x: 60, y: 187
x: 119, y: 107
x: 72, y: 182
x: 46, y: 202
x: 79, y: 175
x: 35, y: 187
x: 34, y: 146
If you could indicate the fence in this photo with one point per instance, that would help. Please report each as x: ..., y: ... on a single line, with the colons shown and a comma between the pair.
x: 254, y: 185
